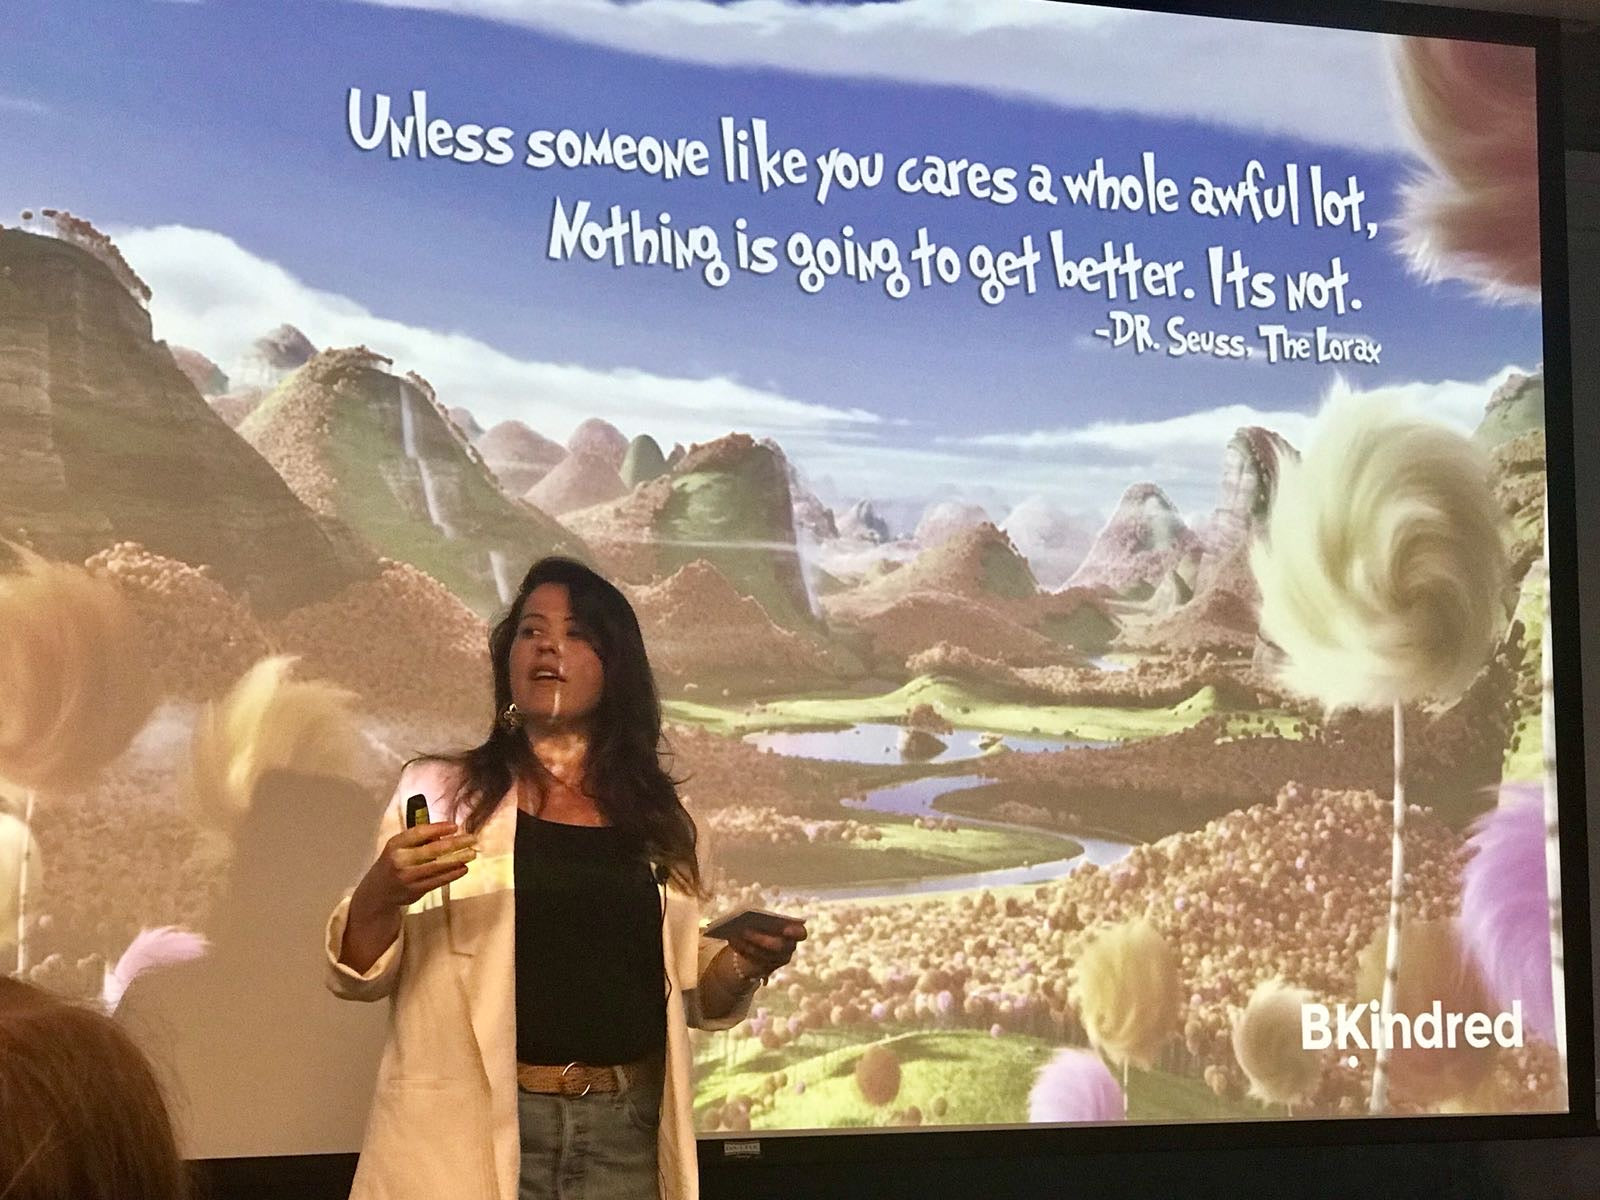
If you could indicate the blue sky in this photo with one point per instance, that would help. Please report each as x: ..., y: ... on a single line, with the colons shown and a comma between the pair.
x: 231, y: 119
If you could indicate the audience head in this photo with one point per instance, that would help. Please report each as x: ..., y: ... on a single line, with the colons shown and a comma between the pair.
x: 83, y: 1115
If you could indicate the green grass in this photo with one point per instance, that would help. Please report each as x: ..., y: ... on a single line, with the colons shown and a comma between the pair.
x: 368, y: 503
x: 1006, y: 573
x: 1100, y: 809
x: 1527, y: 525
x: 261, y: 414
x: 905, y: 852
x: 1087, y: 628
x: 984, y: 1080
x: 1266, y: 723
x: 379, y: 490
x: 964, y: 706
x: 1531, y: 602
x: 1526, y: 763
x: 726, y: 518
x: 368, y: 461
x: 1511, y: 420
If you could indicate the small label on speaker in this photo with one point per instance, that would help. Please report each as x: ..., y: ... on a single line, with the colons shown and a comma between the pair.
x: 750, y: 1149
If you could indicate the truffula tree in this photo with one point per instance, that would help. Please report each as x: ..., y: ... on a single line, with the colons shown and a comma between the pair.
x: 1473, y: 215
x: 73, y: 687
x: 1382, y: 574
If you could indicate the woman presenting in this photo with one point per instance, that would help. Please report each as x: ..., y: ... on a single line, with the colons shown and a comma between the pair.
x: 538, y: 935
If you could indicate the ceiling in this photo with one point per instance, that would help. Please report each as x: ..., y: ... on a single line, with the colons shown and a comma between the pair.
x: 1572, y: 10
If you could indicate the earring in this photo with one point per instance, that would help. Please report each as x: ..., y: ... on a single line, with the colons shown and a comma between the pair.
x: 511, y: 718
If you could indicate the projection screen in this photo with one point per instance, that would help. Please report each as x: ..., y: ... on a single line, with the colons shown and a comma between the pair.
x: 1070, y: 465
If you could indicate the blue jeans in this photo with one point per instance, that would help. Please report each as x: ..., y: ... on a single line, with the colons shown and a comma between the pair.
x: 596, y: 1147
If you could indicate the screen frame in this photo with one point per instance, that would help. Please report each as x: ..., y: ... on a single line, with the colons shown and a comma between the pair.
x: 881, y: 1146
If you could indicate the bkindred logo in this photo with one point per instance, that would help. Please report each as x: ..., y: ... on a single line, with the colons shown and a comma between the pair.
x: 1357, y: 1027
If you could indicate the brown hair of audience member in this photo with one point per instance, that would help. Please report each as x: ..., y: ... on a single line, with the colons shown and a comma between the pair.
x: 84, y: 1118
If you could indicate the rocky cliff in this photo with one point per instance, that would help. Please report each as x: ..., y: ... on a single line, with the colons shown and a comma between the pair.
x: 380, y: 453
x: 727, y: 502
x: 862, y: 523
x: 1249, y: 473
x: 103, y: 439
x: 518, y: 456
x: 1141, y: 543
x: 601, y: 439
x: 580, y: 480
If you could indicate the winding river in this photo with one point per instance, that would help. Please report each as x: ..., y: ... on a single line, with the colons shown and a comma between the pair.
x: 879, y: 742
x: 916, y: 798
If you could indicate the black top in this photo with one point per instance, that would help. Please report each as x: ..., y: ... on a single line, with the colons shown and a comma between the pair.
x: 591, y: 986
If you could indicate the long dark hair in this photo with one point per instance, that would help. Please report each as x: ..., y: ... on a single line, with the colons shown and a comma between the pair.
x: 624, y: 773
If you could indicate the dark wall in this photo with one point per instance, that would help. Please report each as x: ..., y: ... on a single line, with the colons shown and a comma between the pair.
x: 1583, y: 232
x: 1565, y: 1169
x: 1580, y: 61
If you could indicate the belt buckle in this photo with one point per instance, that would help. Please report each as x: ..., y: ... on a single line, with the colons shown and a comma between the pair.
x: 569, y: 1089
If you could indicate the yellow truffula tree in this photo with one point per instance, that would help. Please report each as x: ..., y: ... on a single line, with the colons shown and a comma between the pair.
x: 74, y: 690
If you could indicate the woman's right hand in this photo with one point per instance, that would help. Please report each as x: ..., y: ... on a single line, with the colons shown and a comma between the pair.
x: 412, y: 863
x: 416, y: 861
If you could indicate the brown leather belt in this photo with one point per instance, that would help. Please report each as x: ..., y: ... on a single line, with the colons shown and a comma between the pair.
x: 574, y: 1079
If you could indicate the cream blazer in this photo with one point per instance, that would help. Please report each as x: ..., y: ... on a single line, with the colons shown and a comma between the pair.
x: 443, y: 1124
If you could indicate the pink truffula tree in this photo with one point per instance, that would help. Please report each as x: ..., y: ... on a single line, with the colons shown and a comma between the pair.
x: 1473, y: 216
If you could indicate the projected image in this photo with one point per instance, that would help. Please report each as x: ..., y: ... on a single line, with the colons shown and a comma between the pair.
x: 1081, y: 522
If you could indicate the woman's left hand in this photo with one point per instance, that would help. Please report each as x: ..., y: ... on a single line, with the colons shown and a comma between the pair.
x: 766, y: 952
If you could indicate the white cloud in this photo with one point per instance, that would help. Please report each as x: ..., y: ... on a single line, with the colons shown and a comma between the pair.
x: 1456, y: 402
x: 1208, y: 429
x: 213, y: 295
x: 1322, y: 85
x: 1459, y: 403
x: 25, y: 105
x: 1081, y: 482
